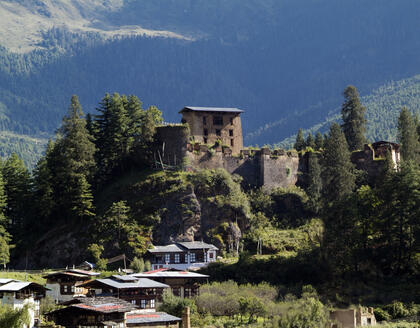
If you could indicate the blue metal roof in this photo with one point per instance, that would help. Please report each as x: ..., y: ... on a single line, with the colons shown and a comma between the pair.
x: 211, y: 109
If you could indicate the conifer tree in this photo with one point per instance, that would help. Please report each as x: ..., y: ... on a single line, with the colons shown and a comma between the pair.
x: 17, y: 187
x: 408, y: 136
x: 354, y: 122
x: 319, y: 141
x: 310, y: 142
x: 5, y: 237
x: 74, y: 165
x: 43, y: 188
x: 300, y: 141
x: 314, y: 182
x: 338, y: 171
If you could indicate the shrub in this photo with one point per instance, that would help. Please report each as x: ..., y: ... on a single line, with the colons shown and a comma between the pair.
x: 381, y: 315
x: 397, y: 310
x: 137, y: 264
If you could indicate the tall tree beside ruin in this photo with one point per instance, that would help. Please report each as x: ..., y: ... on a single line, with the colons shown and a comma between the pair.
x: 74, y: 165
x: 338, y: 171
x: 408, y: 136
x: 310, y: 141
x: 319, y: 141
x: 300, y: 141
x: 354, y: 122
x: 314, y: 182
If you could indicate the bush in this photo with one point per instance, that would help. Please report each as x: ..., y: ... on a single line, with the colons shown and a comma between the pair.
x: 382, y: 315
x: 137, y: 265
x: 397, y: 310
x: 175, y: 305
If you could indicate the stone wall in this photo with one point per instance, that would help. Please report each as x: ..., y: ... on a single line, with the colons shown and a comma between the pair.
x: 261, y: 168
x: 172, y: 144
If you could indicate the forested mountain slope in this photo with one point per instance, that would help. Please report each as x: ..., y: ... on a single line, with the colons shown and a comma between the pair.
x: 285, y: 62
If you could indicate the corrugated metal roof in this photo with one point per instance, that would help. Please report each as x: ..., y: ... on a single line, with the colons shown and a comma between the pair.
x: 4, y: 281
x: 173, y: 248
x: 140, y: 283
x: 211, y: 109
x: 153, y: 317
x: 197, y: 245
x: 14, y: 286
x: 99, y: 304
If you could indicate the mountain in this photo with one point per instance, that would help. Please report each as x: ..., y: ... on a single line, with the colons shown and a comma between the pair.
x: 286, y: 63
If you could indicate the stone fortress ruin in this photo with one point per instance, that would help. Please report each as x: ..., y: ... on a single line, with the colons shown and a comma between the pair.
x: 211, y: 138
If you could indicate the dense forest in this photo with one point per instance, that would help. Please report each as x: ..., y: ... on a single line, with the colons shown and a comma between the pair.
x: 260, y: 66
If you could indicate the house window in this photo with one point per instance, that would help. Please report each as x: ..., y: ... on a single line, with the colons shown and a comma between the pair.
x: 143, y: 304
x: 231, y: 133
x: 167, y: 258
x: 204, y: 120
x: 177, y: 258
x: 133, y: 301
x: 205, y: 140
x: 218, y: 132
x: 210, y: 255
x: 72, y: 289
x: 65, y: 289
x: 192, y: 257
x: 217, y: 120
x: 231, y: 121
x: 176, y: 291
x: 206, y: 132
x: 187, y: 292
x: 231, y: 142
x: 152, y: 304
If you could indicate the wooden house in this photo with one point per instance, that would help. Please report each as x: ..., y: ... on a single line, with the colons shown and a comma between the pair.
x: 182, y: 283
x: 182, y: 255
x: 103, y: 312
x: 142, y: 292
x: 17, y: 294
x: 65, y: 285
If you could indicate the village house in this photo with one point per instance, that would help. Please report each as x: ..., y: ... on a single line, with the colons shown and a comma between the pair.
x: 142, y: 292
x: 103, y: 312
x: 183, y: 255
x: 17, y: 294
x: 182, y: 283
x: 352, y: 318
x: 65, y: 285
x: 109, y: 312
x: 208, y: 124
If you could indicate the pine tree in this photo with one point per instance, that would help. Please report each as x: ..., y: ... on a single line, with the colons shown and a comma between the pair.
x: 319, y: 141
x: 43, y: 189
x: 5, y: 237
x: 354, y: 122
x: 17, y: 187
x: 73, y: 165
x: 310, y: 142
x: 300, y: 141
x: 338, y: 171
x: 314, y: 182
x: 408, y: 136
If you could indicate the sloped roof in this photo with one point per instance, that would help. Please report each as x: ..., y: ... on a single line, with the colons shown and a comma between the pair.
x: 168, y: 273
x: 15, y: 286
x: 196, y: 245
x: 181, y: 246
x: 4, y: 281
x: 173, y: 248
x: 100, y: 304
x: 211, y: 109
x: 151, y: 317
x: 138, y: 283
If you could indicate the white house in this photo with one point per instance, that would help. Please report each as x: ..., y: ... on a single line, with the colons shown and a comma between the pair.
x: 19, y: 293
x: 65, y: 285
x: 183, y: 255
